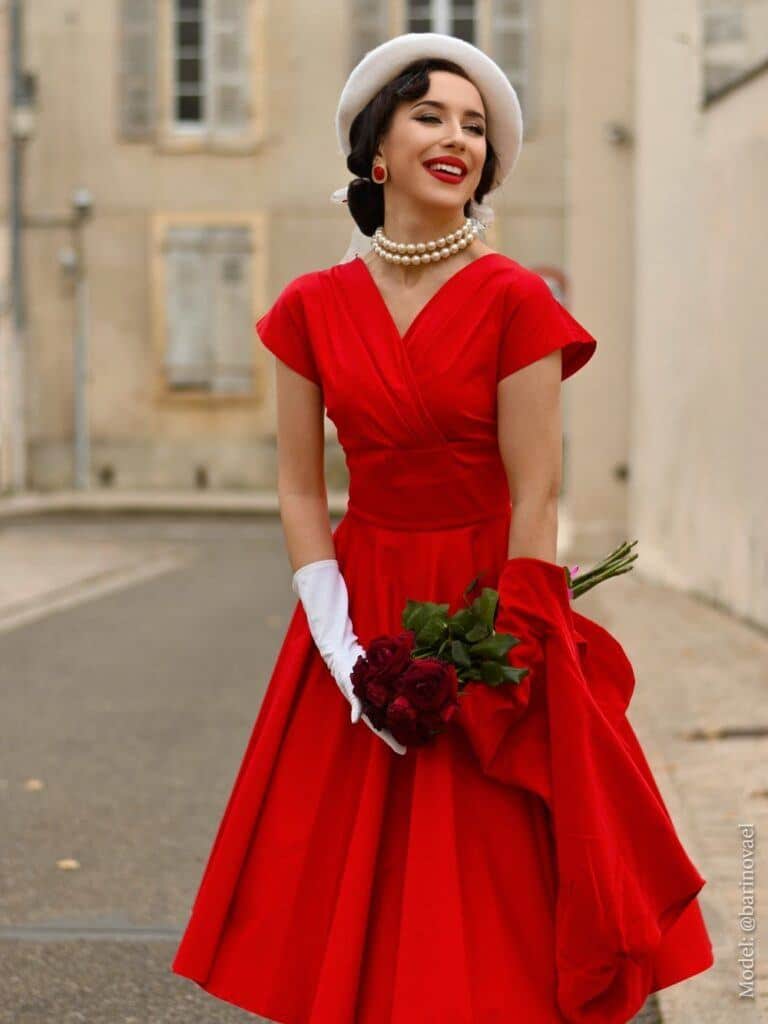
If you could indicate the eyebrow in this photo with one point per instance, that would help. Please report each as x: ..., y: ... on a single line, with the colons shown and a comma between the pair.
x: 441, y: 106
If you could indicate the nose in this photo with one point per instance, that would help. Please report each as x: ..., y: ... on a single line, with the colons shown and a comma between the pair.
x: 456, y: 137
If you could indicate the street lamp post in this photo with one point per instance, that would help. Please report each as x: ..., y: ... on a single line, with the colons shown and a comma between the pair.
x: 82, y: 206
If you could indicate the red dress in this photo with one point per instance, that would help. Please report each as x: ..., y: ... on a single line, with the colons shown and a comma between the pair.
x: 348, y: 884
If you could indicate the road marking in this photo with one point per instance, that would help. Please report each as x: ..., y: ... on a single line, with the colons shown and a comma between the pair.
x: 93, y: 932
x: 73, y: 594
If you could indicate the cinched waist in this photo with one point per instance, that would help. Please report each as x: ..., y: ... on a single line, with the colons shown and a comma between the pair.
x: 454, y: 484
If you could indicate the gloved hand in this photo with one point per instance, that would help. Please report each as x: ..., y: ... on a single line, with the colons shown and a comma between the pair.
x: 322, y: 591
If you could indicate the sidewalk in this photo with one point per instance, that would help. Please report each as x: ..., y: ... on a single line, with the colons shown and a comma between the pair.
x: 696, y: 669
x: 41, y: 572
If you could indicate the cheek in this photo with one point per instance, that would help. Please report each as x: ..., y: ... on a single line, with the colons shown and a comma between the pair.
x: 479, y: 151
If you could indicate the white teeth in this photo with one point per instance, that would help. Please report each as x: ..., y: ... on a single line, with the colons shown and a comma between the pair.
x: 446, y: 167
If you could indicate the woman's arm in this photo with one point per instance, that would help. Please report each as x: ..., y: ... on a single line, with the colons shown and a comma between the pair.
x: 530, y: 442
x: 320, y: 585
x: 300, y: 468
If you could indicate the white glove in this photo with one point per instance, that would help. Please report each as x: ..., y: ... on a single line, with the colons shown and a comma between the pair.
x: 322, y: 591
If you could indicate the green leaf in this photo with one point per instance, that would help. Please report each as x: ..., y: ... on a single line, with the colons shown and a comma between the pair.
x: 512, y: 674
x: 443, y: 650
x: 460, y: 654
x: 478, y: 632
x: 417, y: 613
x: 484, y: 606
x: 491, y: 672
x: 461, y: 622
x: 495, y: 646
x: 433, y: 631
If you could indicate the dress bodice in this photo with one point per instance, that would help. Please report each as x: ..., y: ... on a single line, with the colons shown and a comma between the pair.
x: 416, y: 414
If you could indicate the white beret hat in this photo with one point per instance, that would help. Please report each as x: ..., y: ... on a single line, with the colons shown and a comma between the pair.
x: 384, y: 62
x: 504, y: 120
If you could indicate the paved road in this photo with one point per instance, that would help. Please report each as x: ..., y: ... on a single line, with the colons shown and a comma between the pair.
x: 128, y: 698
x: 133, y: 708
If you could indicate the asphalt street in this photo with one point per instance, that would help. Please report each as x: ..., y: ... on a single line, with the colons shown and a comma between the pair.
x: 134, y: 654
x: 132, y: 709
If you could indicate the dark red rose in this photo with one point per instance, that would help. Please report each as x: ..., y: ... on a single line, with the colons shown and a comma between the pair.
x: 406, y: 724
x: 377, y: 716
x: 413, y: 699
x: 429, y: 684
x: 379, y: 694
x: 388, y: 656
x: 374, y: 677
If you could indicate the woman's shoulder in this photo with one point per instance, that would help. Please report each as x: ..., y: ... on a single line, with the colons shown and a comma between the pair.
x: 300, y: 284
x: 516, y: 273
x: 297, y: 293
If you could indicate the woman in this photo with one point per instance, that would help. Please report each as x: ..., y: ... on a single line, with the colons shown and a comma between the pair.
x: 492, y: 875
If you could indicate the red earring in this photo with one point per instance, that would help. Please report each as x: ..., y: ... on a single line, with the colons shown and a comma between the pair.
x: 379, y: 173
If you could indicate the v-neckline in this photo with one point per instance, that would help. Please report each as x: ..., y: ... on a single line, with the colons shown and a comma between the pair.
x: 402, y: 338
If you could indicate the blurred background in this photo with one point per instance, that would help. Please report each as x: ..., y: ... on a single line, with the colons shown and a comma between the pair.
x: 167, y: 168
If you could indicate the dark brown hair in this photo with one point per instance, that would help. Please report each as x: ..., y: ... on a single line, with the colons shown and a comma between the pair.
x: 366, y: 198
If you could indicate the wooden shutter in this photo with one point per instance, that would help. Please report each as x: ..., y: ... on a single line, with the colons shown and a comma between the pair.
x: 189, y: 357
x: 723, y: 21
x: 725, y: 43
x: 137, y: 87
x: 231, y: 306
x: 511, y: 31
x: 209, y: 308
x: 368, y: 27
x: 229, y: 66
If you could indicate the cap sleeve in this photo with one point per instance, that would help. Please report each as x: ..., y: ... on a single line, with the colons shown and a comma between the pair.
x: 536, y: 324
x: 283, y: 330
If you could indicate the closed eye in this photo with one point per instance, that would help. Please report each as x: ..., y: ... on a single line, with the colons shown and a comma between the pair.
x: 431, y: 117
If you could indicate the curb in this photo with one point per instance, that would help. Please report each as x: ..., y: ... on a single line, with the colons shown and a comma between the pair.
x: 176, y: 502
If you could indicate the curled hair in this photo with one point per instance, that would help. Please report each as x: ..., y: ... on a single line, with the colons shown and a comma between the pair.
x: 365, y: 199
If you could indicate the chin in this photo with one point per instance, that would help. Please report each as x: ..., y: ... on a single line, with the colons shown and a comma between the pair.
x: 445, y: 208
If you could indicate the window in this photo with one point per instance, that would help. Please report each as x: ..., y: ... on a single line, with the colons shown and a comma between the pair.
x: 501, y: 27
x: 208, y: 276
x: 189, y: 62
x: 210, y: 65
x: 511, y: 31
x: 368, y: 27
x: 449, y: 16
x: 204, y: 82
x: 735, y: 42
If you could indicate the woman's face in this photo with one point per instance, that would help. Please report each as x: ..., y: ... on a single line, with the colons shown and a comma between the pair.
x: 448, y: 121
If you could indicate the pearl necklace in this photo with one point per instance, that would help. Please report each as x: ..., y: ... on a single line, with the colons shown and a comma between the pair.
x: 411, y: 253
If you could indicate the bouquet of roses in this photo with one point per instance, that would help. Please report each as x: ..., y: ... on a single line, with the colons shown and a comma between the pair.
x: 411, y: 683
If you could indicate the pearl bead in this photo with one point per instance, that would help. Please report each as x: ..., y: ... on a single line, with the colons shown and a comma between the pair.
x: 413, y: 253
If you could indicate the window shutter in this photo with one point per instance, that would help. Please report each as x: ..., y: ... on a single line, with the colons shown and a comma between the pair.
x: 189, y: 357
x: 723, y: 21
x: 137, y: 69
x: 368, y: 27
x: 231, y: 305
x: 725, y: 43
x: 229, y: 66
x: 511, y: 27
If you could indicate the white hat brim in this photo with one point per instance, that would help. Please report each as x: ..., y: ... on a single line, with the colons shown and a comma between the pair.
x: 504, y: 119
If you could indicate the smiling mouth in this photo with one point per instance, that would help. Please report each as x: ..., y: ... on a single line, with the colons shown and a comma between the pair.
x: 453, y: 177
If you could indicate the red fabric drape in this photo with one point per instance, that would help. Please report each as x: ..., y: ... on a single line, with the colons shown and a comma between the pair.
x: 624, y: 879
